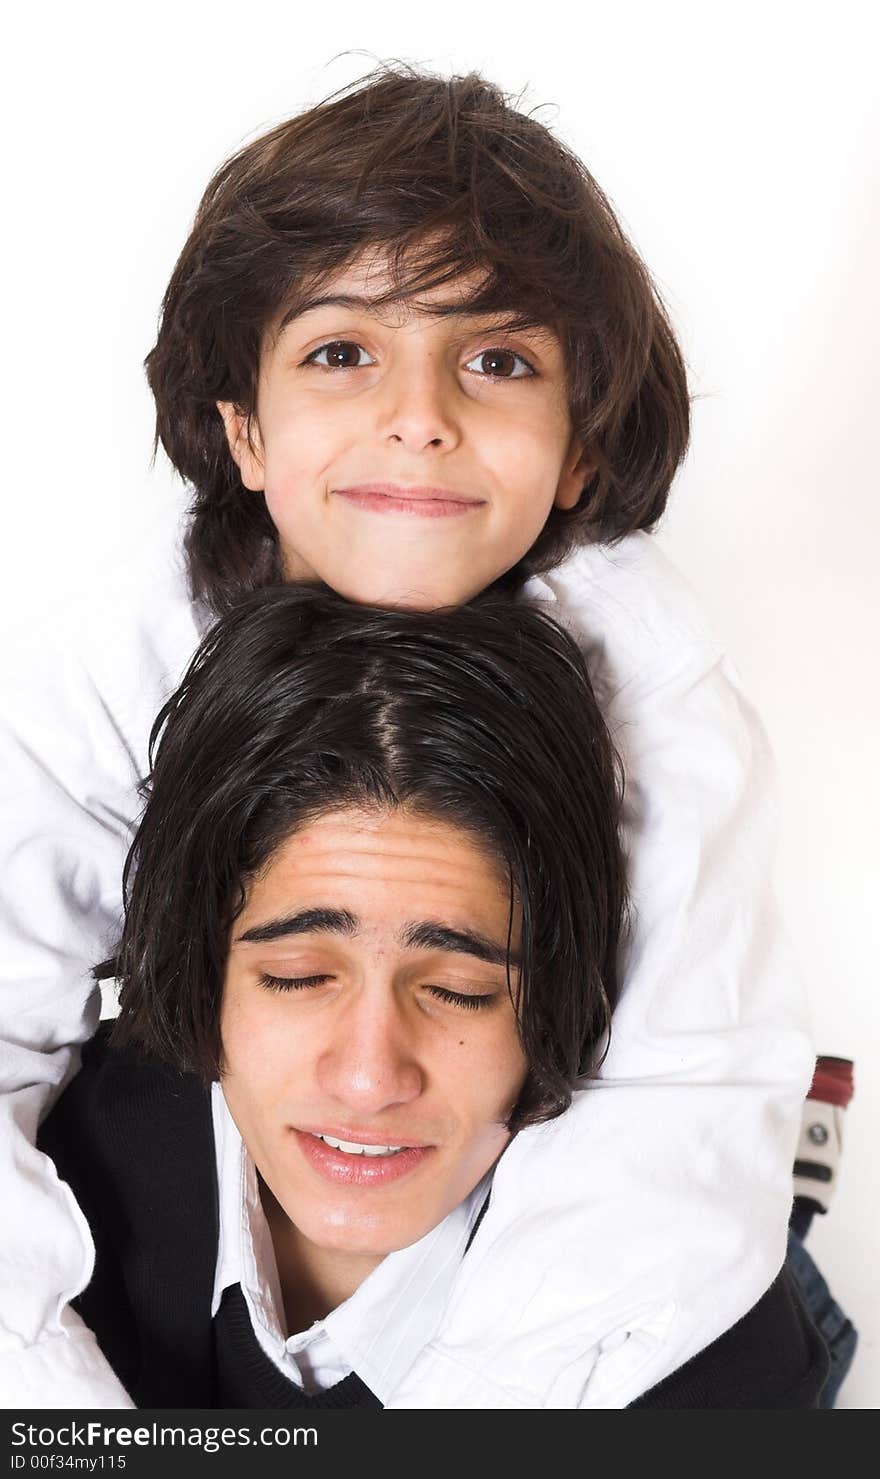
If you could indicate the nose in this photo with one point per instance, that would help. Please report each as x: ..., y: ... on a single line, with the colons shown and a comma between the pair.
x: 417, y: 408
x: 370, y: 1062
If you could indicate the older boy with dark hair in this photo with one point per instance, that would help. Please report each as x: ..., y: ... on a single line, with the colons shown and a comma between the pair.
x: 408, y: 352
x: 374, y: 906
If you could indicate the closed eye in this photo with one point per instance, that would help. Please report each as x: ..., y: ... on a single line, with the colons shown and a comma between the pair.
x: 462, y: 999
x: 469, y: 1001
x: 291, y: 983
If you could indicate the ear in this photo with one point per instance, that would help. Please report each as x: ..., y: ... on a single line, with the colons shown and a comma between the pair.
x: 577, y: 470
x: 248, y: 454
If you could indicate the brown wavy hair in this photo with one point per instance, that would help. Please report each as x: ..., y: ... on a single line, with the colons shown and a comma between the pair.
x: 445, y: 175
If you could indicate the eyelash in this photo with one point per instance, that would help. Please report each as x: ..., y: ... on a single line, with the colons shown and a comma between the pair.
x: 442, y: 993
x: 461, y: 999
x: 492, y: 349
x: 291, y: 983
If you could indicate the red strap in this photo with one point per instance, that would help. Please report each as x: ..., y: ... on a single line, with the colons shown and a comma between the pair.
x: 833, y: 1081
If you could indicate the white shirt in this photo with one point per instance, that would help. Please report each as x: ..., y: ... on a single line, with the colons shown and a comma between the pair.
x: 379, y: 1330
x: 622, y: 1238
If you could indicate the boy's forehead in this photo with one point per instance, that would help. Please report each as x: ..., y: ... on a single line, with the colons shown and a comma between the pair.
x: 369, y: 277
x: 363, y: 283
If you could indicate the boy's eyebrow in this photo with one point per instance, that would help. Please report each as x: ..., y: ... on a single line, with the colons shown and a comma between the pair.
x: 304, y: 922
x: 328, y: 300
x: 427, y: 934
x: 373, y: 305
x: 431, y: 935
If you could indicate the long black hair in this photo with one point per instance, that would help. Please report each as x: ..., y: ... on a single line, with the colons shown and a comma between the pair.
x: 298, y: 703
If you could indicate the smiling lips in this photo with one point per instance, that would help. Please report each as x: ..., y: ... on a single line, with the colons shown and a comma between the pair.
x: 370, y: 1165
x: 398, y: 498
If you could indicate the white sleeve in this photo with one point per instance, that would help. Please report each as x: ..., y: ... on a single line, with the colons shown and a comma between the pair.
x: 78, y: 701
x: 624, y: 1237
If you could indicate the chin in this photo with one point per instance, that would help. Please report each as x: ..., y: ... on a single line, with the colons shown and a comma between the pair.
x: 413, y: 594
x: 365, y: 1236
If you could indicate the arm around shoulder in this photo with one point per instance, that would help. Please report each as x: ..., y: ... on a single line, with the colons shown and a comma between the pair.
x: 80, y: 694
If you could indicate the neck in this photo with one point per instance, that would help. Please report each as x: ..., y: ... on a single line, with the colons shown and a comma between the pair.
x: 313, y: 1280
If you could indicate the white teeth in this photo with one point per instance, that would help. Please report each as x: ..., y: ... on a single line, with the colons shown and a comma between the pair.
x: 351, y: 1147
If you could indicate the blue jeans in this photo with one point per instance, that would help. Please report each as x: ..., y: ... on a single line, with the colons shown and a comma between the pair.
x: 834, y: 1327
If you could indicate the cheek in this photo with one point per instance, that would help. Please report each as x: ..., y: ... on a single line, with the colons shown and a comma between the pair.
x: 490, y: 1096
x: 288, y: 456
x: 534, y: 452
x: 239, y: 1026
x: 260, y: 1055
x: 303, y: 436
x: 512, y: 1077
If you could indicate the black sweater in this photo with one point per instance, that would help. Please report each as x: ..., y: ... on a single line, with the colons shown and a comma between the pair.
x: 134, y: 1139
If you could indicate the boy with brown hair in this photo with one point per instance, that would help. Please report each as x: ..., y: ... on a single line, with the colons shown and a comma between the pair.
x: 408, y: 352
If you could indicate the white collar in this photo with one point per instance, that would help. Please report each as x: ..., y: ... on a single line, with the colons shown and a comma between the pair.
x: 380, y: 1330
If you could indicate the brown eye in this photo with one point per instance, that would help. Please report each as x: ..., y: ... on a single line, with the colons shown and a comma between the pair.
x: 501, y: 364
x: 342, y: 354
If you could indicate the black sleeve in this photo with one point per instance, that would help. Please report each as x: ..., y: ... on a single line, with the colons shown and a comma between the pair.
x: 773, y: 1358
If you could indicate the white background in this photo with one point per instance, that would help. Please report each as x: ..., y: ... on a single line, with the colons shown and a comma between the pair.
x: 739, y: 144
